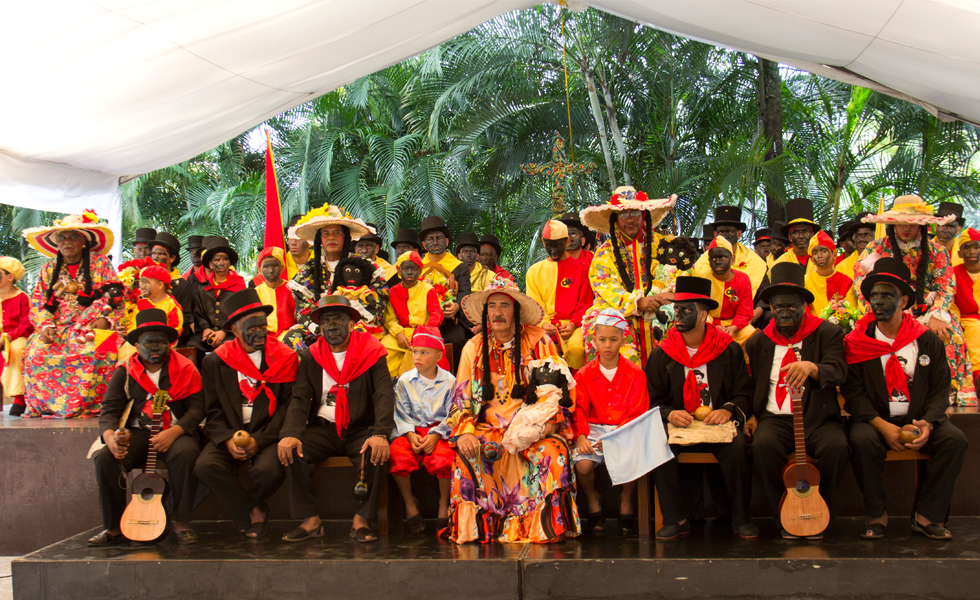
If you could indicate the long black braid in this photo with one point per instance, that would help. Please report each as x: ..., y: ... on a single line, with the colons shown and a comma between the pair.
x: 51, y: 303
x: 87, y: 299
x: 487, y: 384
x: 516, y: 359
x: 624, y: 274
x: 647, y: 254
x: 925, y: 258
x: 318, y: 267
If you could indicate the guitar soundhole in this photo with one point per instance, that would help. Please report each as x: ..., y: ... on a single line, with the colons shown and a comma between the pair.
x: 146, y: 494
x: 802, y: 486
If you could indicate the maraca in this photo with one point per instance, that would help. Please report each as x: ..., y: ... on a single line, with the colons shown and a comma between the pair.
x: 241, y: 438
x: 701, y: 413
x: 909, y: 434
x: 361, y: 490
x: 122, y: 436
x: 491, y: 451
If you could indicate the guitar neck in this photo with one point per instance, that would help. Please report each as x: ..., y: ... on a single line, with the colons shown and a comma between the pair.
x: 151, y: 455
x: 798, y: 434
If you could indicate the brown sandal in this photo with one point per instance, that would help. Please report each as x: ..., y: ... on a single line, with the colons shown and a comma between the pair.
x: 299, y: 534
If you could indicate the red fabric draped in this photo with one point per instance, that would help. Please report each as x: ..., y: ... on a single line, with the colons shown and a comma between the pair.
x: 363, y: 352
x: 184, y: 381
x: 859, y: 347
x: 715, y: 342
x: 838, y: 285
x: 233, y: 283
x: 966, y: 300
x: 283, y: 364
x: 807, y: 326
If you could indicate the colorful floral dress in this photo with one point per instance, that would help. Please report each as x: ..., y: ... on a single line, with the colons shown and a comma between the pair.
x: 524, y: 497
x: 302, y: 287
x: 69, y: 377
x: 939, y: 295
x: 610, y: 292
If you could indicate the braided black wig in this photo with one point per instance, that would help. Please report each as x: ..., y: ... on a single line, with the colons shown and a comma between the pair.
x: 921, y: 269
x: 319, y: 269
x: 517, y: 360
x: 624, y: 273
x: 51, y: 303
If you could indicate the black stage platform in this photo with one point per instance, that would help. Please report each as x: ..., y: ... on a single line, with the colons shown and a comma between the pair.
x: 710, y: 564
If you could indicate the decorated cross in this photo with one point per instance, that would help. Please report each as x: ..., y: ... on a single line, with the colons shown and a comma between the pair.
x: 559, y: 168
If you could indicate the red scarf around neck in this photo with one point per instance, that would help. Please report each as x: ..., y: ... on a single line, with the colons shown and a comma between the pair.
x: 715, y: 342
x: 807, y: 326
x: 283, y: 364
x: 233, y: 283
x: 363, y: 352
x: 859, y: 347
x: 184, y: 381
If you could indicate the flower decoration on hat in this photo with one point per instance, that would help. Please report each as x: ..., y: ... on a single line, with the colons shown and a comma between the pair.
x: 909, y: 210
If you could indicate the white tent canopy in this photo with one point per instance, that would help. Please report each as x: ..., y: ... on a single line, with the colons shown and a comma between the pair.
x: 105, y: 89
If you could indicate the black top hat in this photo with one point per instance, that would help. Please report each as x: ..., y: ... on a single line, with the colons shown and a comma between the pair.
x: 776, y: 231
x: 433, y: 224
x: 799, y: 211
x: 407, y: 236
x: 844, y: 230
x: 334, y: 303
x: 195, y: 241
x: 729, y: 215
x: 168, y: 241
x: 144, y: 235
x: 951, y: 208
x: 707, y: 232
x: 784, y: 278
x: 244, y: 303
x: 151, y: 319
x: 214, y: 244
x: 572, y: 219
x: 889, y: 270
x: 492, y: 241
x: 762, y: 235
x: 694, y: 289
x: 468, y: 239
x: 856, y: 223
x: 371, y: 237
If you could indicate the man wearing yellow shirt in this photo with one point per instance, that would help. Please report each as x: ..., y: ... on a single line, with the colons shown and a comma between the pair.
x: 411, y: 303
x: 948, y: 236
x: 468, y: 251
x: 299, y: 249
x: 728, y: 224
x: 825, y: 283
x: 447, y: 274
x: 860, y: 234
x: 367, y: 247
x: 560, y: 284
x: 799, y: 228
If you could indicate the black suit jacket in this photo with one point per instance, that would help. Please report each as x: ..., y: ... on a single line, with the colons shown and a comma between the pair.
x: 462, y: 275
x: 370, y: 397
x: 866, y: 397
x: 728, y: 382
x: 183, y: 293
x: 210, y: 311
x: 223, y: 402
x: 188, y: 411
x: 825, y: 347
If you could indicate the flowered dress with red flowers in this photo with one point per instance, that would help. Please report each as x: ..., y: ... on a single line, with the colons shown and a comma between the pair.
x: 939, y: 295
x: 69, y: 377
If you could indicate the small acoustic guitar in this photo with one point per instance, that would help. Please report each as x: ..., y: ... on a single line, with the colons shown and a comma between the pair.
x: 802, y: 510
x: 145, y: 518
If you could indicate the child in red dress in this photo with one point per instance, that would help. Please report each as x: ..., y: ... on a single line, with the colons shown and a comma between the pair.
x: 15, y: 307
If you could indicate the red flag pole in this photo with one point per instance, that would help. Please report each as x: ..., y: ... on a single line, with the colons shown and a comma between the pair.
x: 273, y: 211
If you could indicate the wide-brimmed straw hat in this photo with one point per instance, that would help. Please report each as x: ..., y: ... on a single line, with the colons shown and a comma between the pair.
x: 909, y: 210
x: 596, y: 218
x: 318, y: 218
x: 531, y: 311
x: 43, y: 239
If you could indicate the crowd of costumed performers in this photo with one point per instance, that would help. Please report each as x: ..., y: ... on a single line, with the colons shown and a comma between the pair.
x: 627, y: 346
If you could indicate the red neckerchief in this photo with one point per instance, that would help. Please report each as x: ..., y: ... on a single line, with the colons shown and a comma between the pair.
x: 199, y: 273
x: 859, y: 347
x: 715, y: 342
x: 184, y: 381
x: 283, y: 364
x: 807, y: 326
x: 363, y: 352
x: 233, y: 283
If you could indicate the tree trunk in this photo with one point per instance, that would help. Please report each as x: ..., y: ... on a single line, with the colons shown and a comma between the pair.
x: 771, y: 121
x: 617, y: 135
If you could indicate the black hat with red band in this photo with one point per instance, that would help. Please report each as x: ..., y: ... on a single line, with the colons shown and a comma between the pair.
x: 694, y: 289
x: 243, y: 303
x: 889, y: 270
x: 787, y: 278
x: 151, y: 319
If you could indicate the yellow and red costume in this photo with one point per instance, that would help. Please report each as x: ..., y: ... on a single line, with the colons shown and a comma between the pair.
x: 836, y: 286
x: 407, y: 309
x: 967, y: 302
x: 562, y: 288
x: 280, y: 297
x: 734, y: 298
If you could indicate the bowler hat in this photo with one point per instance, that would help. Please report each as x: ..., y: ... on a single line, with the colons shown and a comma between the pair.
x: 334, y: 303
x: 467, y: 239
x: 144, y: 235
x: 433, y: 224
x: 492, y: 241
x: 213, y: 245
x: 762, y: 235
x: 168, y: 241
x: 406, y: 236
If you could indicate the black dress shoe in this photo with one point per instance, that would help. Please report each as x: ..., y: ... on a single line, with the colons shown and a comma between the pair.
x: 672, y: 532
x: 106, y: 539
x: 748, y: 531
x: 16, y: 410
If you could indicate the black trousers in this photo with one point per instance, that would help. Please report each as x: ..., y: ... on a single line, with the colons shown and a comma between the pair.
x: 179, y: 459
x: 773, y: 443
x: 946, y: 447
x: 735, y: 466
x: 321, y: 441
x: 218, y: 470
x: 455, y: 334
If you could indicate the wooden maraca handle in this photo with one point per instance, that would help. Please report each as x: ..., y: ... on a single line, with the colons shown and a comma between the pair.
x: 241, y: 438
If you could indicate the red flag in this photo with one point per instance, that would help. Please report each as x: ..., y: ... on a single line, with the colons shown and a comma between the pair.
x: 273, y: 212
